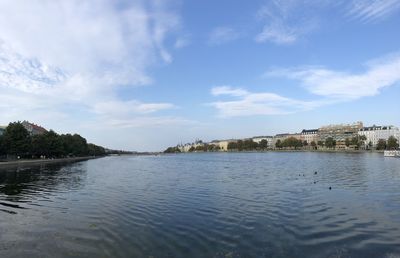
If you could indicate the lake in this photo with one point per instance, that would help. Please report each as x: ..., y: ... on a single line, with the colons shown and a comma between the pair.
x: 274, y: 204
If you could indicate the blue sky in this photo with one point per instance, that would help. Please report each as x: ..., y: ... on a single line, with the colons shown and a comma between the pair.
x: 144, y: 75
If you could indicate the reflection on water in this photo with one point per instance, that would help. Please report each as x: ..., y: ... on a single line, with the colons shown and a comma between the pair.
x: 204, y: 205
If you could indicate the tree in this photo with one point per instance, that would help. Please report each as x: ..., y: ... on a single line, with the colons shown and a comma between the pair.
x: 313, y: 144
x: 200, y: 148
x: 278, y: 144
x: 370, y: 145
x: 2, y: 147
x: 392, y: 143
x: 292, y: 142
x: 381, y: 144
x: 95, y: 150
x: 239, y: 145
x: 263, y: 144
x: 330, y: 142
x: 232, y: 146
x: 305, y: 143
x: 16, y: 139
x: 320, y: 143
x: 74, y: 145
x: 347, y: 142
x: 169, y: 150
x: 249, y: 144
x: 362, y: 139
x: 192, y: 149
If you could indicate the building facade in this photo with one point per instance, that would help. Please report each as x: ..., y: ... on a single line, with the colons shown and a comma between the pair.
x: 269, y: 140
x: 339, y: 132
x: 33, y: 129
x: 309, y: 136
x: 222, y: 144
x: 375, y: 133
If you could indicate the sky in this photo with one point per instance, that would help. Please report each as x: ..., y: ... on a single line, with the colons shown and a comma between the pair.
x: 147, y: 74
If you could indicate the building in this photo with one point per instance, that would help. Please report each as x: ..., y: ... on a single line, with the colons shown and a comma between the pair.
x: 2, y: 129
x: 33, y: 129
x: 339, y: 132
x: 222, y: 144
x: 375, y: 133
x: 269, y: 140
x: 279, y: 137
x: 309, y: 136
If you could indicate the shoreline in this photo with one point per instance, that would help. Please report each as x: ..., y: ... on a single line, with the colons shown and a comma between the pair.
x: 275, y: 150
x: 27, y: 162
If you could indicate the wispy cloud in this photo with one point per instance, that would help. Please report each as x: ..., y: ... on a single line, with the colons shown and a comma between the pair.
x: 378, y: 74
x: 221, y: 35
x: 328, y: 87
x: 182, y: 42
x: 286, y: 21
x: 372, y: 10
x: 245, y: 103
x: 59, y: 55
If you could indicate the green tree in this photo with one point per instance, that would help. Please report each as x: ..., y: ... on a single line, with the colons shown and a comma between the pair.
x: 200, y: 148
x: 2, y: 147
x: 313, y: 144
x: 278, y: 144
x: 263, y: 144
x: 362, y: 139
x: 381, y: 144
x: 73, y: 145
x: 168, y: 150
x: 54, y: 144
x: 192, y: 149
x: 232, y: 146
x: 292, y: 142
x: 95, y: 150
x: 239, y: 145
x: 16, y: 139
x: 330, y: 142
x: 320, y: 143
x: 249, y: 144
x: 347, y: 142
x: 392, y: 143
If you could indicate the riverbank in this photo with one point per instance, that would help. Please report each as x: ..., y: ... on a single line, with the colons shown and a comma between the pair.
x: 291, y: 150
x: 30, y: 162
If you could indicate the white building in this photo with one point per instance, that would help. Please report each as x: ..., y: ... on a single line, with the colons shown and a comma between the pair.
x: 309, y: 136
x: 222, y: 144
x: 374, y: 133
x: 269, y: 140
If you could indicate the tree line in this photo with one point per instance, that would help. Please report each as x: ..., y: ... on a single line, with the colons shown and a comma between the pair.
x: 17, y: 142
x: 292, y: 143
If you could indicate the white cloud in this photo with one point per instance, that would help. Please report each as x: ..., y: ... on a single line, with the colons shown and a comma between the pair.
x: 378, y: 74
x: 146, y: 121
x: 113, y: 109
x: 287, y: 21
x: 279, y: 34
x: 182, y: 42
x: 227, y: 90
x: 328, y: 87
x: 250, y: 104
x: 221, y: 35
x: 58, y: 56
x: 372, y: 10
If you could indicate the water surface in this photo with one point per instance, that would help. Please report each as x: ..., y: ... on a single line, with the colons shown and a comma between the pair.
x: 204, y: 205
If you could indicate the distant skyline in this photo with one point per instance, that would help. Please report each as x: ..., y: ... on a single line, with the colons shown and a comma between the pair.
x: 147, y: 74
